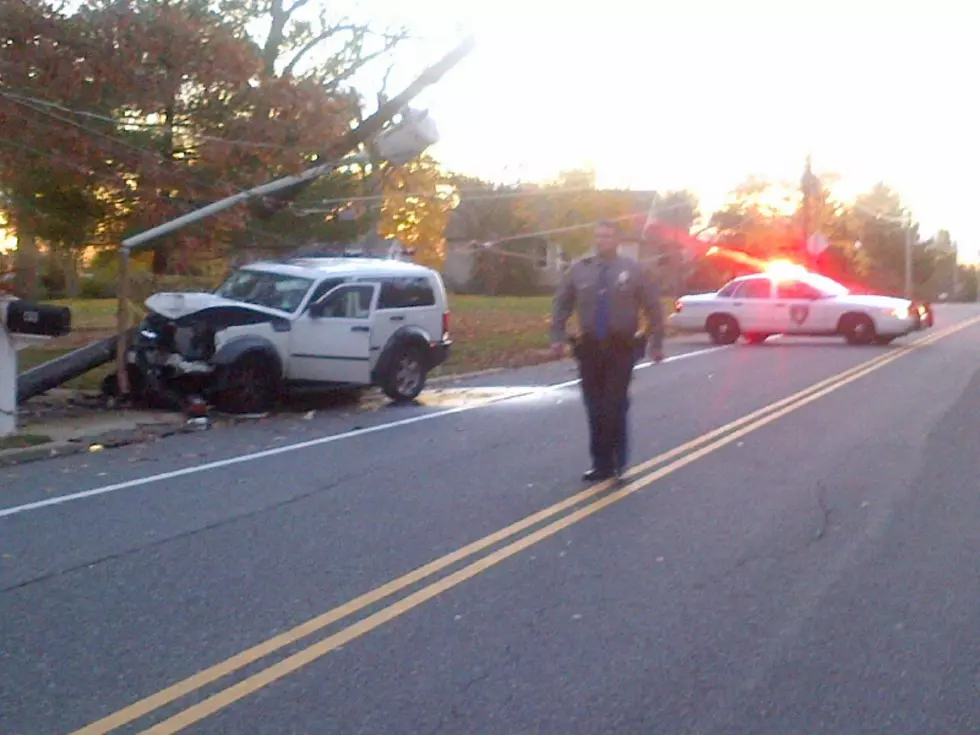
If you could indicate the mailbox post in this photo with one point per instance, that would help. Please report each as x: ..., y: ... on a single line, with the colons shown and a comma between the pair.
x: 22, y: 324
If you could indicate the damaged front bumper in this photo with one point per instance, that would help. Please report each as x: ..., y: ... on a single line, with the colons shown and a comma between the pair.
x: 168, y: 362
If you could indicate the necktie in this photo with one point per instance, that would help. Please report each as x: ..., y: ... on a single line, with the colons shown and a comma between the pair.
x: 602, y: 304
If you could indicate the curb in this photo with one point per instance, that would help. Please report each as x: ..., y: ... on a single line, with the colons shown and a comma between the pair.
x: 84, y: 443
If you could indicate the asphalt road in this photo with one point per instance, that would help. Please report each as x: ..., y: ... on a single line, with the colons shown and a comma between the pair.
x: 795, y: 551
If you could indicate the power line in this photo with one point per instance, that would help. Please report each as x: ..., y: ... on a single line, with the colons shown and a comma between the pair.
x: 179, y: 172
x: 149, y: 194
x: 465, y: 195
x: 26, y: 99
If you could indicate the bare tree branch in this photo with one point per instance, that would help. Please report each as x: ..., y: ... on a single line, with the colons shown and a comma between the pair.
x: 319, y: 38
x: 355, y: 66
x: 296, y: 6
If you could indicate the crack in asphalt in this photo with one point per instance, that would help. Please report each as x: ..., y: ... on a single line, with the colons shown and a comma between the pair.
x: 91, y: 564
x: 824, y: 517
x: 454, y: 715
x: 823, y: 528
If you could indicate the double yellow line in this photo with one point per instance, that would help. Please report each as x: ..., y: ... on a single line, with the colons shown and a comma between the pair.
x: 585, y: 503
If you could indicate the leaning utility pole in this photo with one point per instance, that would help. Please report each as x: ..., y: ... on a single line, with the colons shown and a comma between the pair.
x: 270, y: 198
x: 908, y: 256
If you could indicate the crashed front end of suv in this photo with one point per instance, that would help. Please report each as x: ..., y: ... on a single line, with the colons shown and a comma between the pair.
x: 184, y: 349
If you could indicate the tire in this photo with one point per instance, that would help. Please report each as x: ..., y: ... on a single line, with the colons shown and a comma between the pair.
x: 405, y: 377
x: 723, y: 329
x: 858, y: 329
x: 249, y: 385
x: 755, y: 338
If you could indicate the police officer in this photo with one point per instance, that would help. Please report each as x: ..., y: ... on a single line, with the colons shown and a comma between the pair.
x: 608, y: 291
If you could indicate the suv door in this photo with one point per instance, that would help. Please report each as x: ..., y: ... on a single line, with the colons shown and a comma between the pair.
x: 331, y: 341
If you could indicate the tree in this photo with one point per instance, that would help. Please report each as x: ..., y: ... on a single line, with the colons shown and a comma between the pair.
x: 675, y: 212
x: 757, y: 221
x: 572, y: 200
x: 160, y: 106
x: 416, y: 209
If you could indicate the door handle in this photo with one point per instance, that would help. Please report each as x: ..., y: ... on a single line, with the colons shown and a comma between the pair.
x: 360, y: 329
x: 738, y: 303
x: 780, y: 306
x: 397, y: 318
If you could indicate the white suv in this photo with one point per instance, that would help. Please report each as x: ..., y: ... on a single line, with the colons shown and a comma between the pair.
x: 332, y: 321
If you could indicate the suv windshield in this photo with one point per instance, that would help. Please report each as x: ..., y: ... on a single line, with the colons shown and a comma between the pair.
x: 272, y: 290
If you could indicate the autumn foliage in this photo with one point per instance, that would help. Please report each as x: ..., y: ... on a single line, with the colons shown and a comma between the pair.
x: 127, y: 113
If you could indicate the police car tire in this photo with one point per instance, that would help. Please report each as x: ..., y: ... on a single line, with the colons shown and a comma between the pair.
x: 858, y: 329
x: 723, y: 329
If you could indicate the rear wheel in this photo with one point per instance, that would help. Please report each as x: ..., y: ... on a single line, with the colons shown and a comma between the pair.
x: 406, y: 375
x: 249, y: 385
x: 723, y: 329
x: 858, y: 329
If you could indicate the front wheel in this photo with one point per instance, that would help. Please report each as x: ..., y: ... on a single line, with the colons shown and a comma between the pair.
x: 858, y: 329
x: 406, y: 375
x: 249, y: 385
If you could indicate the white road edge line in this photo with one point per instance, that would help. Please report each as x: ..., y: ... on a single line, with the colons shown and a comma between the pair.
x: 217, y: 464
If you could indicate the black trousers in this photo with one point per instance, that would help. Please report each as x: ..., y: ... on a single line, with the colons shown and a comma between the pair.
x: 606, y: 369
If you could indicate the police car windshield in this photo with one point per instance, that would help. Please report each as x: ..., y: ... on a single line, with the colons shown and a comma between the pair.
x: 272, y: 290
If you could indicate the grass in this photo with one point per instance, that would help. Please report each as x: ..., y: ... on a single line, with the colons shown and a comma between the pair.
x: 487, y: 331
x: 20, y: 441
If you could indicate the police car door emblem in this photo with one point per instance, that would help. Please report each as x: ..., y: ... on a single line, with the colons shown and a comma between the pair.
x: 798, y: 313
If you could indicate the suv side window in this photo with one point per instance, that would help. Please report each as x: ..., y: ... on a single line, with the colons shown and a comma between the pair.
x: 755, y: 288
x: 402, y: 293
x: 353, y: 301
x: 325, y: 286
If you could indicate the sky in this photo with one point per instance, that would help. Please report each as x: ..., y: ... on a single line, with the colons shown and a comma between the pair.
x: 699, y: 94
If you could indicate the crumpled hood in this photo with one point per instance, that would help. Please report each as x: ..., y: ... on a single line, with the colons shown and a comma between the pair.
x: 178, y: 305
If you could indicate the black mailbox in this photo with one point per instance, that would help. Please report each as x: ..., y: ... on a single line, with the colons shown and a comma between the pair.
x: 23, y: 317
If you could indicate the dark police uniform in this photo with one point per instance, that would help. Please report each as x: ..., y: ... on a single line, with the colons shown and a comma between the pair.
x: 608, y: 294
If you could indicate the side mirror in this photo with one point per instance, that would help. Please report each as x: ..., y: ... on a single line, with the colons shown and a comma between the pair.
x: 316, y: 309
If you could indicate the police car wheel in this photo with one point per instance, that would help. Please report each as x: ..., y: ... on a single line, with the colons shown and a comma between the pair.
x: 723, y: 329
x: 858, y: 329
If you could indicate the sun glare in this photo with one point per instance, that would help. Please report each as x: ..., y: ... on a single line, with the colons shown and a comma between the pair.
x: 785, y: 269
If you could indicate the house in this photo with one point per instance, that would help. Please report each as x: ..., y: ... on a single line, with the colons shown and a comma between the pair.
x: 490, y: 221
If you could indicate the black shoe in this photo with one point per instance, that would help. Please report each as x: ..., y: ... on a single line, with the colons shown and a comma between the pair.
x: 594, y: 475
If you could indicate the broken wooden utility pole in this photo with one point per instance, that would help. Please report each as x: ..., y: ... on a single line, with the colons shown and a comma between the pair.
x: 409, y: 138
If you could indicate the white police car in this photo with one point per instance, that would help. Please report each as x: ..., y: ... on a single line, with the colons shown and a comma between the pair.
x: 789, y: 300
